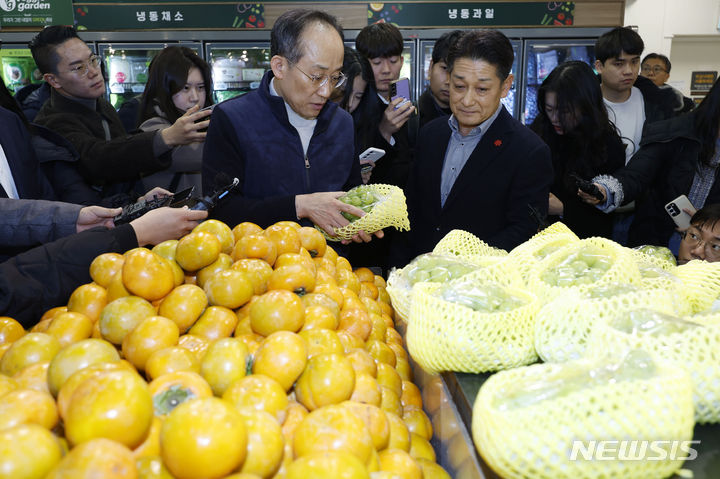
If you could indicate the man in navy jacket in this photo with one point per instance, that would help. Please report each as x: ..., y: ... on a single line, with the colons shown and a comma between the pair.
x: 291, y: 149
x: 478, y: 170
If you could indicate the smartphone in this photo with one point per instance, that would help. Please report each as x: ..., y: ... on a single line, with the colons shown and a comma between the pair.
x: 400, y: 89
x: 371, y: 155
x: 675, y: 210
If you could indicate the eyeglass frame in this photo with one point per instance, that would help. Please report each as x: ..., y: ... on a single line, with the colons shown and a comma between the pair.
x: 694, y: 244
x: 656, y: 69
x: 314, y: 78
x: 94, y: 61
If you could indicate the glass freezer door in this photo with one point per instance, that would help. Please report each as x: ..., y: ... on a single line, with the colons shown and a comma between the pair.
x: 510, y: 101
x: 237, y: 68
x: 541, y: 57
x: 126, y: 67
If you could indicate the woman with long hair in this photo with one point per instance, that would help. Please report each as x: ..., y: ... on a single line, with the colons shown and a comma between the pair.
x: 178, y: 81
x: 358, y: 74
x: 679, y: 156
x: 573, y: 122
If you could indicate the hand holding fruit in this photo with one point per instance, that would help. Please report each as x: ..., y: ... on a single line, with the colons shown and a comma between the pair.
x: 92, y: 216
x: 325, y: 210
x: 589, y: 199
x: 166, y: 223
x: 185, y: 129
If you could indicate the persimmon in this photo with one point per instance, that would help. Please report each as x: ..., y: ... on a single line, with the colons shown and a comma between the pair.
x: 223, y: 262
x: 184, y: 305
x: 257, y: 270
x: 399, y: 433
x: 30, y: 349
x: 321, y: 341
x: 297, y: 278
x: 320, y: 317
x: 390, y: 401
x: 255, y: 246
x: 196, y: 250
x: 400, y: 463
x: 286, y: 238
x: 245, y: 228
x: 88, y: 299
x: 417, y: 422
x: 347, y: 279
x: 421, y: 448
x: 152, y: 334
x: 104, y: 267
x: 375, y: 420
x: 260, y: 393
x: 229, y: 288
x: 366, y: 390
x: 327, y: 379
x: 170, y: 390
x: 362, y: 362
x: 312, y: 240
x: 332, y: 291
x: 321, y: 299
x: 70, y: 328
x: 281, y: 356
x: 121, y: 316
x: 225, y: 361
x: 221, y: 231
x: 356, y: 322
x: 277, y: 310
x: 197, y: 345
x: 146, y: 274
x: 167, y: 360
x: 216, y: 322
x: 328, y: 465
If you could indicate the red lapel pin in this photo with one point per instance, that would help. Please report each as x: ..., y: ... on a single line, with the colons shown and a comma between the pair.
x: 497, y: 143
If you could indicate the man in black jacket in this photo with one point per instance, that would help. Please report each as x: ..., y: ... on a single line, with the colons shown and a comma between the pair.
x: 110, y: 159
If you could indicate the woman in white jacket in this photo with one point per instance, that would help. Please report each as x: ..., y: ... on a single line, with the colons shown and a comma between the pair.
x: 179, y: 80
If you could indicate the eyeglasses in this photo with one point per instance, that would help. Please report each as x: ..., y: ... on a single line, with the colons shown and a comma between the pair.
x: 656, y: 69
x: 692, y: 239
x: 83, y: 69
x: 319, y: 81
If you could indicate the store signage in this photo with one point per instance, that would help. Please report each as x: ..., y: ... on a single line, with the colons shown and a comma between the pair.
x: 702, y: 82
x: 168, y: 15
x: 35, y: 13
x: 456, y: 14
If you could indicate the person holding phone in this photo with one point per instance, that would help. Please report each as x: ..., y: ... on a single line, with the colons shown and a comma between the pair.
x: 178, y: 81
x: 573, y: 122
x: 381, y: 121
x: 677, y: 157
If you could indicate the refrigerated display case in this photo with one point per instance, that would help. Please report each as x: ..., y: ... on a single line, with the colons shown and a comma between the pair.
x: 236, y: 69
x: 126, y: 67
x: 541, y: 56
x: 510, y: 101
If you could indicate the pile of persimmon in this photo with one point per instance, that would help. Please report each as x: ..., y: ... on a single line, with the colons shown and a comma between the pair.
x: 239, y: 353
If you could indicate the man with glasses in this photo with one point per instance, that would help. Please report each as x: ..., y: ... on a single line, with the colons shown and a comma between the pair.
x: 291, y: 149
x: 702, y: 239
x: 110, y: 160
x: 656, y: 68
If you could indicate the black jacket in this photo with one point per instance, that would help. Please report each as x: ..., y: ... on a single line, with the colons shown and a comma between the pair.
x: 45, y: 277
x: 394, y: 167
x: 509, y: 170
x: 114, y: 165
x: 428, y: 108
x: 32, y: 97
x: 662, y: 170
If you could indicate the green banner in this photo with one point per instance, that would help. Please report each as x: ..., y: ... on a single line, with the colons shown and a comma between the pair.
x: 456, y: 14
x: 168, y: 15
x: 35, y: 13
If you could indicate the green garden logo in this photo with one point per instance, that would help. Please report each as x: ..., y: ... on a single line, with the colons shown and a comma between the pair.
x: 23, y: 5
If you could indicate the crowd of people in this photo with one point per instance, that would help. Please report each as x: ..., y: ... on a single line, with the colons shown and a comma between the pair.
x: 68, y: 162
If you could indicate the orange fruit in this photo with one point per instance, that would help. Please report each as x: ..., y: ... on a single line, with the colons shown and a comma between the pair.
x: 320, y: 299
x: 215, y: 323
x: 224, y: 362
x: 320, y: 317
x: 292, y: 224
x: 399, y: 463
x: 104, y: 267
x: 389, y: 401
x: 331, y: 428
x: 399, y: 433
x: 296, y: 412
x: 328, y: 465
x: 365, y: 274
x: 257, y: 270
x: 198, y: 345
x: 388, y: 377
x: 221, y: 231
x: 417, y: 421
x: 184, y: 305
x: 76, y: 357
x: 7, y: 384
x: 28, y: 451
x: 88, y: 299
x: 293, y: 277
x: 277, y: 310
x: 356, y: 322
x: 203, y: 438
x: 332, y: 291
x: 303, y: 259
x: 379, y: 328
x: 70, y: 328
x: 146, y: 274
x: 252, y: 341
x: 349, y: 341
x: 421, y: 448
x: 285, y: 238
x: 30, y: 349
x: 265, y: 443
x: 312, y: 240
x: 152, y: 334
x: 167, y: 360
x: 255, y: 246
x: 196, y: 250
x: 330, y: 254
x: 368, y: 290
x: 223, y: 262
x: 34, y: 377
x: 367, y: 390
x: 116, y: 288
x: 121, y: 316
x: 229, y: 288
x: 172, y: 389
x: 411, y: 396
x: 68, y: 387
x: 259, y: 393
x: 327, y: 379
x: 96, y: 458
x: 431, y: 470
x: 150, y: 447
x: 362, y: 362
x: 347, y: 279
x: 246, y: 228
x: 281, y: 356
x: 375, y: 421
x: 321, y: 341
x: 25, y: 406
x: 381, y: 352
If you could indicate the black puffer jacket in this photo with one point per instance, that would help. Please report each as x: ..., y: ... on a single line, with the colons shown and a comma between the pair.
x: 662, y: 170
